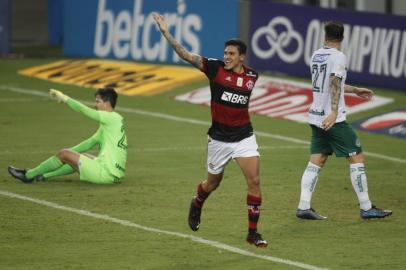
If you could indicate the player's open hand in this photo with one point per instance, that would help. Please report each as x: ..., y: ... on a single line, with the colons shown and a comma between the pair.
x: 364, y: 93
x: 159, y: 19
x: 58, y: 95
x: 329, y: 121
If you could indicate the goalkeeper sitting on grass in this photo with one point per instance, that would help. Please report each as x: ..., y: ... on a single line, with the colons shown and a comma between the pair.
x: 108, y: 167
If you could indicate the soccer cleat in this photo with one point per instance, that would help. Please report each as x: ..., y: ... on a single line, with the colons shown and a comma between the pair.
x: 194, y: 216
x: 309, y: 214
x: 374, y: 213
x: 19, y: 174
x: 39, y: 178
x: 256, y: 239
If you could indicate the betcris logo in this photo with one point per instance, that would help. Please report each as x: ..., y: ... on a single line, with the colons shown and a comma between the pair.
x: 134, y: 35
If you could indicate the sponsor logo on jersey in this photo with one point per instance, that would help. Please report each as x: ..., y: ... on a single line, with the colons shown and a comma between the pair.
x: 120, y: 168
x: 234, y: 98
x: 228, y: 79
x: 311, y: 111
x: 250, y: 73
x: 320, y: 58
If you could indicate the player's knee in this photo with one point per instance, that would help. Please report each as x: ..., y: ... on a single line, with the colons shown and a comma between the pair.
x: 322, y: 162
x: 62, y: 155
x: 319, y: 160
x: 358, y: 158
x: 253, y: 181
x: 254, y: 186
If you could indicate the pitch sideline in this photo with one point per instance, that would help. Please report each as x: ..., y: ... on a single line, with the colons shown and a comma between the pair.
x: 127, y: 223
x: 192, y: 121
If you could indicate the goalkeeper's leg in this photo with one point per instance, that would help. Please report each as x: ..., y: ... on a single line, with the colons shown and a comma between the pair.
x: 54, y: 163
x: 64, y: 170
x: 51, y: 164
x: 70, y: 157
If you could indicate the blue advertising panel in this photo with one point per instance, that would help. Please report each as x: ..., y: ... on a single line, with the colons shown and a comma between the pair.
x: 4, y: 26
x: 283, y: 38
x: 55, y: 22
x: 126, y: 29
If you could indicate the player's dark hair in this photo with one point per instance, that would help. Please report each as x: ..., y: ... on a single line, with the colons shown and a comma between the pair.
x: 241, y: 46
x: 334, y: 31
x: 107, y: 94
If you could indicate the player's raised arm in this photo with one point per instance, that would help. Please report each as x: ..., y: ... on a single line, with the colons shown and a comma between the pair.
x: 361, y: 92
x: 75, y: 105
x: 194, y: 59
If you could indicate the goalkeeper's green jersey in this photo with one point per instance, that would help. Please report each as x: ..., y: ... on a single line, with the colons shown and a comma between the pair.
x: 110, y: 137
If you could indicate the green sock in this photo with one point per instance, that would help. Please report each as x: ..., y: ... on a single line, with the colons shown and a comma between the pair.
x: 49, y: 165
x: 65, y: 169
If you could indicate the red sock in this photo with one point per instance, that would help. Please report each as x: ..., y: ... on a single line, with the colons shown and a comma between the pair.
x: 201, y: 196
x: 253, y: 204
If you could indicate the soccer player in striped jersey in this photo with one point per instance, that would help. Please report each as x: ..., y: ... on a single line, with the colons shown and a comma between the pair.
x: 330, y: 131
x: 231, y: 134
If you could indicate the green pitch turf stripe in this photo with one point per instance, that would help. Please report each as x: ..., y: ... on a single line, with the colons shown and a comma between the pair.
x: 192, y: 121
x: 6, y: 152
x: 127, y: 223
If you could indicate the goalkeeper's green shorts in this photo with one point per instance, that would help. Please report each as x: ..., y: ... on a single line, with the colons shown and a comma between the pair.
x: 92, y: 170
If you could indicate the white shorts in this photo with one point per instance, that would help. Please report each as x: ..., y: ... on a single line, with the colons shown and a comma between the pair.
x: 220, y: 153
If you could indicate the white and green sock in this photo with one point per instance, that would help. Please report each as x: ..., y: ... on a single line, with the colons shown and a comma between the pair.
x: 359, y: 183
x: 308, y: 185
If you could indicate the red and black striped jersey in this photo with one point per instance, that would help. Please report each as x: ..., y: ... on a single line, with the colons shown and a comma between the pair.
x: 230, y: 96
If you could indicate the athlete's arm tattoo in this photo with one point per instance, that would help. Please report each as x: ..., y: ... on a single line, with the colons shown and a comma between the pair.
x: 194, y: 59
x: 335, y: 86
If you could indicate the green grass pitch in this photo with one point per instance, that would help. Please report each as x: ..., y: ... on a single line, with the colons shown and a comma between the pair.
x: 166, y: 161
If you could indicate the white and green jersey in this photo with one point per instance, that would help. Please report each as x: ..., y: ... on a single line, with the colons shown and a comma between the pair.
x: 326, y: 62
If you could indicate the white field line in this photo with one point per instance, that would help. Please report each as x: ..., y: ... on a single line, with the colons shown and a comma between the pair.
x: 192, y: 121
x: 157, y: 149
x: 7, y: 100
x: 127, y: 223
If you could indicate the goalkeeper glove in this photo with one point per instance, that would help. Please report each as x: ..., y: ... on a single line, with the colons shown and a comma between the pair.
x: 58, y: 95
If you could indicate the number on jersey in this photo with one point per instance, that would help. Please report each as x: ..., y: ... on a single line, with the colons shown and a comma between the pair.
x: 318, y: 76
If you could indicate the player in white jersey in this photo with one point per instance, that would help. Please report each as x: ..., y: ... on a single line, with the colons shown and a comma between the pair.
x: 330, y: 131
x: 326, y: 62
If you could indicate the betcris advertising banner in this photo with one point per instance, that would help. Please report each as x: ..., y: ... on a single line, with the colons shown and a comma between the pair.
x: 125, y: 29
x: 283, y: 38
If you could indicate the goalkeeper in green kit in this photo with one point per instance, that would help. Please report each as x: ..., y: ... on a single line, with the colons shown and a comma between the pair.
x: 108, y: 167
